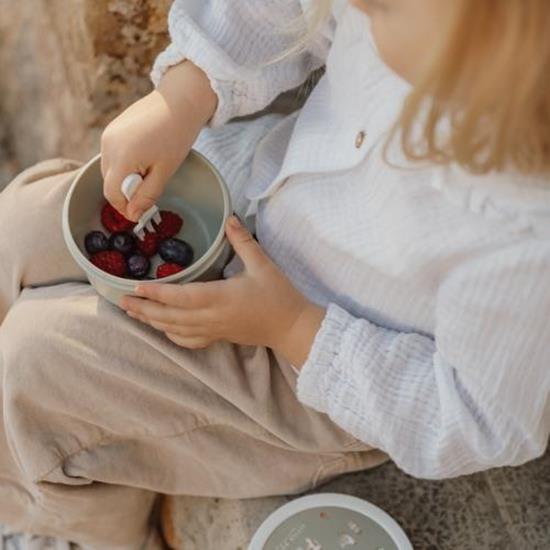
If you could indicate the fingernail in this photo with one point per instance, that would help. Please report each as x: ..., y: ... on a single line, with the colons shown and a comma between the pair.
x: 234, y: 221
x: 139, y: 290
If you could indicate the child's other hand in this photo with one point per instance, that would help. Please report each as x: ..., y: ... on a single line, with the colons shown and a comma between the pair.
x: 259, y: 306
x: 154, y: 135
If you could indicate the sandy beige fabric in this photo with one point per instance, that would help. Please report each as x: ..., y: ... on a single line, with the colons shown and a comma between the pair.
x: 100, y: 412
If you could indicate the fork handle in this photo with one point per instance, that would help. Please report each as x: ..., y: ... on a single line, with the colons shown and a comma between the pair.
x: 130, y: 184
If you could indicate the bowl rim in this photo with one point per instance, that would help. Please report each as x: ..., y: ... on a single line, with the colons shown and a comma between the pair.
x: 122, y: 282
x: 308, y: 503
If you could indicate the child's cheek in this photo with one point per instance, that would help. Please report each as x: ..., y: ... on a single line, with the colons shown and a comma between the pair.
x: 391, y: 48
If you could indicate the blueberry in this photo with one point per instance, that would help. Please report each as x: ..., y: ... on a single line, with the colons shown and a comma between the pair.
x: 96, y: 241
x: 138, y: 266
x: 123, y: 242
x: 177, y: 251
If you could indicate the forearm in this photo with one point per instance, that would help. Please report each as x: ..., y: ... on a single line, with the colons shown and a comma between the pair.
x: 188, y: 94
x: 394, y: 391
x: 236, y: 44
x: 296, y: 342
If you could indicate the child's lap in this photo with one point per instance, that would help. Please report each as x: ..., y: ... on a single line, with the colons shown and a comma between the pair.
x: 93, y: 394
x: 117, y: 375
x: 94, y: 352
x: 37, y: 258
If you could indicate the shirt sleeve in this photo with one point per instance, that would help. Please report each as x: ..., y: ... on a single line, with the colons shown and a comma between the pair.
x: 474, y: 396
x: 237, y: 44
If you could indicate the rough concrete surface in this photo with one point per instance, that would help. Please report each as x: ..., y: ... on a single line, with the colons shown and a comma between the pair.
x: 501, y: 509
x: 68, y: 67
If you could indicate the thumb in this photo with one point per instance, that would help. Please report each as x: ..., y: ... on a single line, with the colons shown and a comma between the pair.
x: 147, y: 193
x: 245, y: 245
x: 111, y: 188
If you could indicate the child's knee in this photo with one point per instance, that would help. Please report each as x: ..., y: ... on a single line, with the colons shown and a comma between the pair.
x: 24, y: 339
x: 30, y: 211
x: 44, y: 169
x: 34, y: 187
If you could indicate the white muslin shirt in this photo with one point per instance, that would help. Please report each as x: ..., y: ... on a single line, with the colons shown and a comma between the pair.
x: 435, y: 346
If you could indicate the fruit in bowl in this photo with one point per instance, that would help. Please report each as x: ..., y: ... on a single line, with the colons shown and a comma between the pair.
x: 176, y: 251
x: 196, y: 193
x: 96, y: 241
x: 167, y: 269
x: 138, y: 266
x: 122, y: 254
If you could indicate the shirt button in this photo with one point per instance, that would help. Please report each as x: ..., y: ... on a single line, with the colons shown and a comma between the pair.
x: 359, y: 139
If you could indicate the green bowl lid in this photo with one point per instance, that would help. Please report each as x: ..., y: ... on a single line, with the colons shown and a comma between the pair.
x: 329, y: 521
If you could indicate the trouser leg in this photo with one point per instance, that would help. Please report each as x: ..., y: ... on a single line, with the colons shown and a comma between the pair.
x: 101, y: 412
x: 32, y: 248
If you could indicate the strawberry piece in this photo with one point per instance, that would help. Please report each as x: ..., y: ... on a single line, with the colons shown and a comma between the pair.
x: 149, y: 245
x: 163, y: 270
x: 111, y: 261
x: 113, y: 220
x: 169, y: 226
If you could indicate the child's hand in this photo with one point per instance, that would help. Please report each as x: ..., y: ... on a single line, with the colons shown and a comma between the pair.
x: 154, y: 135
x: 146, y: 138
x: 259, y: 306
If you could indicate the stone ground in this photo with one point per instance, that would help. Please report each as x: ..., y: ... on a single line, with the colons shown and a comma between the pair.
x: 502, y: 509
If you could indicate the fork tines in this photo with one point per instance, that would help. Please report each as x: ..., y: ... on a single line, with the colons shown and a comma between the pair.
x: 146, y: 223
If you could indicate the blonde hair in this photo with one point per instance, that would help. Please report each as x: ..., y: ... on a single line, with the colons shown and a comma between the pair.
x: 489, y: 81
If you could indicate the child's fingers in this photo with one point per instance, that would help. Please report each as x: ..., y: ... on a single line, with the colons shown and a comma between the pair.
x: 111, y: 188
x: 104, y: 165
x: 147, y: 193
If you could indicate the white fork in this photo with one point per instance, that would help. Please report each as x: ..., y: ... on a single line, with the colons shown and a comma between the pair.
x: 128, y: 187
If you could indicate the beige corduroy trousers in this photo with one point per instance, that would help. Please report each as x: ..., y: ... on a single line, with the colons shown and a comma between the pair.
x: 99, y: 413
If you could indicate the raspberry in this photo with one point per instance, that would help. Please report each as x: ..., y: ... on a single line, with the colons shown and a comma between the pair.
x: 149, y: 245
x: 163, y: 270
x: 169, y: 226
x: 113, y: 220
x: 111, y: 261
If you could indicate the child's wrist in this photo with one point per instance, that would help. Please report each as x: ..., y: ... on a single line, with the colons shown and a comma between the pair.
x: 187, y: 91
x: 296, y: 342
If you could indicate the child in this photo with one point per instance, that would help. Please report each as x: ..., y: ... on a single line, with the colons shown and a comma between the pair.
x: 394, y: 304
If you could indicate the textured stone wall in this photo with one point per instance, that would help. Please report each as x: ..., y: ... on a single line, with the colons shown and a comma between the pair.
x: 67, y: 67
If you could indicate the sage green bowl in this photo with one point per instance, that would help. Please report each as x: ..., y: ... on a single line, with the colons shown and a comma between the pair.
x: 196, y: 191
